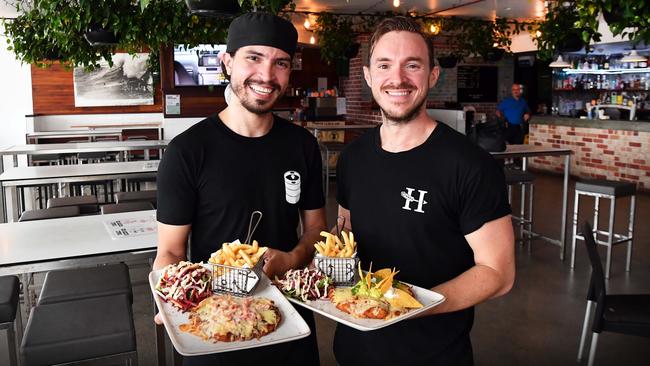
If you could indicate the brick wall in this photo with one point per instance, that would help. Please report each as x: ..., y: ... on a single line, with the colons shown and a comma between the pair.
x: 359, y: 99
x: 597, y: 153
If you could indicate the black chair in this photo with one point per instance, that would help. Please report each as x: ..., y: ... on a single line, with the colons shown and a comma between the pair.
x: 625, y: 314
x: 10, y: 318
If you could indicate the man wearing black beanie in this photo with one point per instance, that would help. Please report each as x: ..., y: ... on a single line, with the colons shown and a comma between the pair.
x: 215, y: 174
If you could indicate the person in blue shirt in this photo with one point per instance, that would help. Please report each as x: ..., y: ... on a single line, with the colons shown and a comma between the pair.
x: 516, y: 112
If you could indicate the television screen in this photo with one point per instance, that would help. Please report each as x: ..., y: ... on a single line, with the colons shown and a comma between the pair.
x: 199, y: 65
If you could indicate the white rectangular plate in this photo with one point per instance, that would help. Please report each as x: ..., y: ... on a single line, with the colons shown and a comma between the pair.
x: 326, y: 308
x: 292, y: 326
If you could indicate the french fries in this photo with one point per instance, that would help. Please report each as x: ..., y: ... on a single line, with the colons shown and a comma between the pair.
x: 334, y: 247
x: 238, y: 255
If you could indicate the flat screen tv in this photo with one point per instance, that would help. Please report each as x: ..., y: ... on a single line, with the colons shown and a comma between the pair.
x: 199, y: 65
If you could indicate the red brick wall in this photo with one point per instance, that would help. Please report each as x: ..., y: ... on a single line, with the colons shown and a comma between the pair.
x: 602, y: 154
x: 360, y: 107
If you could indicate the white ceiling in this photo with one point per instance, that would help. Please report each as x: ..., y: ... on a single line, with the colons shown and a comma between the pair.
x: 487, y: 9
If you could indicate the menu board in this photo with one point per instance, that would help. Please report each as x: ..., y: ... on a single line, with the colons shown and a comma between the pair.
x: 477, y: 84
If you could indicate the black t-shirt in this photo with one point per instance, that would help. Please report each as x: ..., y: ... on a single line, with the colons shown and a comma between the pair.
x: 213, y: 178
x: 411, y: 210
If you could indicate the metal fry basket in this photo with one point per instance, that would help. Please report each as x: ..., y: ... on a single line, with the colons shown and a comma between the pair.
x: 236, y: 281
x: 239, y: 281
x: 342, y: 271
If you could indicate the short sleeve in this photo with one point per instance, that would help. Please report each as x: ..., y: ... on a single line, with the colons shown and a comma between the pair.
x: 314, y: 198
x: 502, y: 105
x: 341, y: 180
x: 482, y: 194
x: 177, y: 190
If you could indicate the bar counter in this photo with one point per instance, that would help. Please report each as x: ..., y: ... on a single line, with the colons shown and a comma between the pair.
x: 603, y: 149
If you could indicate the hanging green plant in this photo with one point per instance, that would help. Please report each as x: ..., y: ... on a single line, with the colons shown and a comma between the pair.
x: 558, y: 32
x: 620, y: 15
x: 53, y: 30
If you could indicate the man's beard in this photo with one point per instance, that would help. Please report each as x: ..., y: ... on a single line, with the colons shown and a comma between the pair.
x: 410, y: 114
x: 256, y: 106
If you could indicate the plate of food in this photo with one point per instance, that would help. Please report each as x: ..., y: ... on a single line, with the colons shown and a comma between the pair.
x: 376, y: 301
x: 200, y: 321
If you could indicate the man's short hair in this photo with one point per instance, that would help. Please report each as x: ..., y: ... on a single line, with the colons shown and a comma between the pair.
x: 401, y: 24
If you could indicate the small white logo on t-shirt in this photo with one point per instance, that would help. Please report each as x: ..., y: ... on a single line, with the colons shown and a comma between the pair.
x: 292, y: 186
x: 408, y: 196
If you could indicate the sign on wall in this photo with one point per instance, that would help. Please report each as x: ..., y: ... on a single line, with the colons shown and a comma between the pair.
x: 477, y: 84
x: 127, y: 82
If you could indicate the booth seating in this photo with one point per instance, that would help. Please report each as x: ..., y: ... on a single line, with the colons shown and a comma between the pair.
x: 83, y: 316
x: 10, y: 318
x: 77, y: 284
x: 525, y: 181
x: 126, y: 207
x: 71, y: 332
x: 49, y: 213
x: 137, y: 196
x: 86, y: 204
x: 611, y: 190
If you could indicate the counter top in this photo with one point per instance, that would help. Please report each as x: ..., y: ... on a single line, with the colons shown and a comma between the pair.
x: 605, y: 124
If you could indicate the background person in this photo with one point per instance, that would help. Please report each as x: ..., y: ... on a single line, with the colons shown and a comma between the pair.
x: 515, y: 111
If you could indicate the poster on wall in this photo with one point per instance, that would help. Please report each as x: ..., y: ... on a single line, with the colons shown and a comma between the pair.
x: 127, y: 82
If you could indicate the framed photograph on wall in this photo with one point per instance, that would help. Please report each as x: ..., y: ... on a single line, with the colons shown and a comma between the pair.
x: 127, y: 82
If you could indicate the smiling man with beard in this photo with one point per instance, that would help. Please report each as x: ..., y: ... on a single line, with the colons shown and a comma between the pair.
x: 245, y: 159
x: 420, y: 197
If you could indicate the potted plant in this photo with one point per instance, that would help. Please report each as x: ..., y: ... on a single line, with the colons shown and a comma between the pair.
x: 620, y: 15
x: 558, y: 32
x: 214, y: 8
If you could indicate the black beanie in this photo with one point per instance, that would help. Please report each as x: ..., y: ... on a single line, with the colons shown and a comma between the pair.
x: 262, y: 29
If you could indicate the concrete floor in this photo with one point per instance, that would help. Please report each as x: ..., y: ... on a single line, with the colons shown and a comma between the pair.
x: 538, y: 322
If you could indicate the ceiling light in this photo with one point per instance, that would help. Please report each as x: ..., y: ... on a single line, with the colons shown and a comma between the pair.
x: 507, y: 9
x: 306, y: 24
x: 396, y: 3
x: 312, y: 39
x: 559, y: 63
x: 633, y: 57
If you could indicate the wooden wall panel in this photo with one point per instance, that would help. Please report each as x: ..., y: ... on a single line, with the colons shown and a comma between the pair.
x: 200, y: 101
x: 53, y: 93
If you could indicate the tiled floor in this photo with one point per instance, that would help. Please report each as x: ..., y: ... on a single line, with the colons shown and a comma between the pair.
x: 538, y: 322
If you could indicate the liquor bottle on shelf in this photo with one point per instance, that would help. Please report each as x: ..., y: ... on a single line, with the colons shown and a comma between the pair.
x: 606, y: 63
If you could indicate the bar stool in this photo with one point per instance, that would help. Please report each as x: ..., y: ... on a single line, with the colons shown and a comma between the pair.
x: 525, y: 181
x: 10, y: 318
x: 611, y: 190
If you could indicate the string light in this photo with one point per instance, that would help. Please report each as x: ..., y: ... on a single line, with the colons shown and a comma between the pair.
x: 312, y: 39
x: 495, y: 45
x: 396, y: 3
x: 434, y: 29
x: 307, y: 24
x: 538, y: 34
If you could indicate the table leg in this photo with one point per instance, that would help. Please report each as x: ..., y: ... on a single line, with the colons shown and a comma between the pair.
x: 15, y: 158
x: 146, y: 154
x: 10, y: 203
x: 565, y: 191
x: 3, y: 208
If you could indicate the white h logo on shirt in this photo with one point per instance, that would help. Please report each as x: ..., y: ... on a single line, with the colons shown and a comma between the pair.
x: 408, y: 196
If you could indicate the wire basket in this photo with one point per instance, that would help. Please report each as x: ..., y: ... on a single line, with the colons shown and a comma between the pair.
x: 342, y: 271
x: 236, y: 281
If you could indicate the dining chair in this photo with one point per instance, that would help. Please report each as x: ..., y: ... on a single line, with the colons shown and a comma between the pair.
x: 624, y: 314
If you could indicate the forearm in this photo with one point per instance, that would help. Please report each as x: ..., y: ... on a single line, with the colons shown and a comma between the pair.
x: 304, y: 250
x: 472, y: 287
x: 164, y: 258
